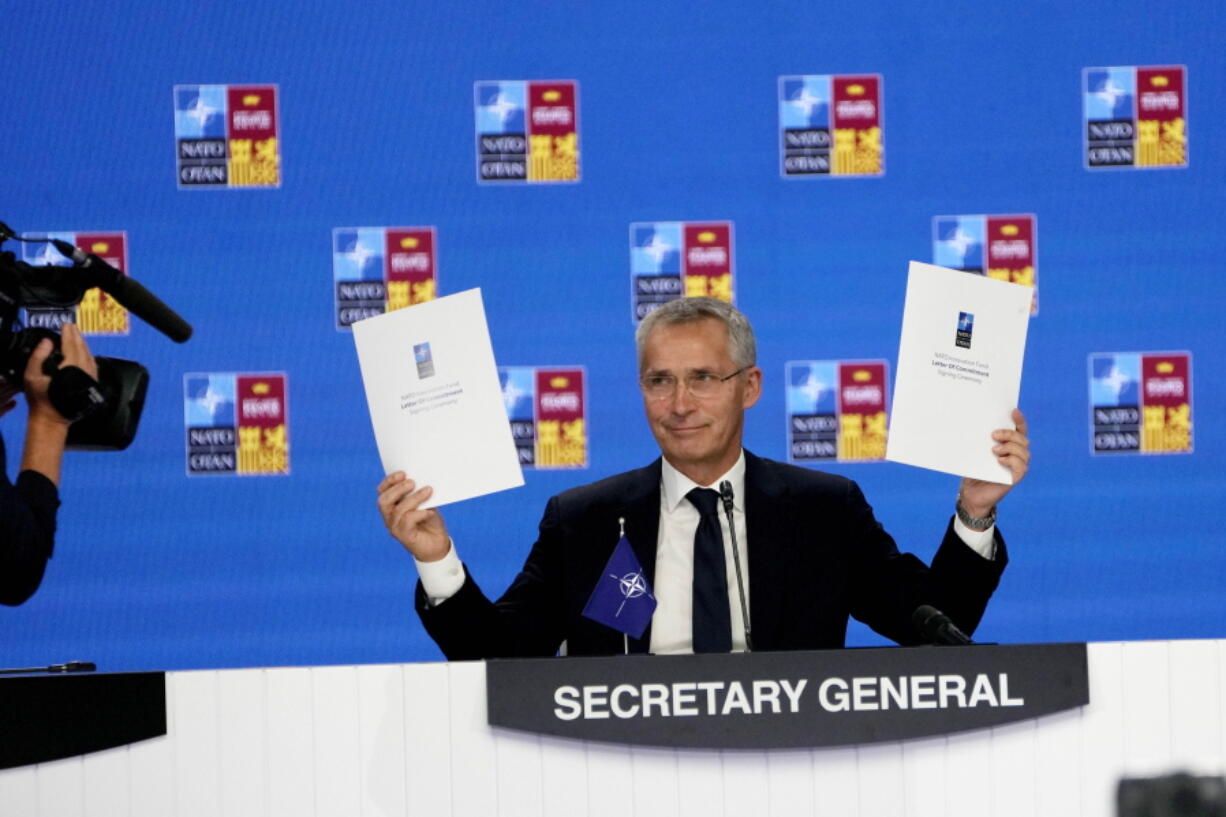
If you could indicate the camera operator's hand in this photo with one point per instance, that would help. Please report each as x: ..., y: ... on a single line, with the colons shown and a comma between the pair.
x: 47, y: 429
x: 75, y: 352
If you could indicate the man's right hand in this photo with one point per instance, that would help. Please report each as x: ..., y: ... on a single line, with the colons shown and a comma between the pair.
x: 422, y: 532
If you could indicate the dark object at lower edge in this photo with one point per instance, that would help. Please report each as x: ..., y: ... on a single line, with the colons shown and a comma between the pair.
x: 53, y: 717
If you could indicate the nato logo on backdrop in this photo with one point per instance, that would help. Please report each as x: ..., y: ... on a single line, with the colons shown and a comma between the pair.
x: 830, y: 125
x: 1135, y: 116
x: 380, y: 269
x: 547, y: 409
x: 226, y: 136
x: 98, y: 313
x: 236, y: 423
x: 674, y: 259
x: 527, y: 131
x: 1000, y: 247
x: 1141, y: 403
x: 836, y: 410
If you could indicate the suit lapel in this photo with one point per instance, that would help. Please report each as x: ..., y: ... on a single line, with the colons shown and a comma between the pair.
x: 767, y: 533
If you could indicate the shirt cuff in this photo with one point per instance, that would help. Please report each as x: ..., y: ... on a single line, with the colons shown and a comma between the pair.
x: 441, y: 579
x: 982, y: 542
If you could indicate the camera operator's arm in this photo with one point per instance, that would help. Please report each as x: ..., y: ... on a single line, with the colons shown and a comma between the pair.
x: 47, y: 430
x: 28, y: 507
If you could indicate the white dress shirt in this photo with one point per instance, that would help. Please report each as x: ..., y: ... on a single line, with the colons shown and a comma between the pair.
x: 672, y: 622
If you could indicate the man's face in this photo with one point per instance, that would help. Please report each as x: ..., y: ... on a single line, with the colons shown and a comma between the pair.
x: 699, y: 436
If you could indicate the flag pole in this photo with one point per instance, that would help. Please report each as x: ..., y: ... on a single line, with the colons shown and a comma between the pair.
x: 621, y: 533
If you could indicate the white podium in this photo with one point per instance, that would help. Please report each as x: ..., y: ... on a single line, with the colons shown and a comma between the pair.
x: 412, y: 739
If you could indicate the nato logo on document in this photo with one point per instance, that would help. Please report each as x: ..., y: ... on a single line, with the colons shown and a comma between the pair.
x: 966, y: 325
x: 424, y: 360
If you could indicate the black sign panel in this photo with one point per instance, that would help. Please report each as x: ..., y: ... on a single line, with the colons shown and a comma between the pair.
x: 56, y: 716
x: 786, y: 699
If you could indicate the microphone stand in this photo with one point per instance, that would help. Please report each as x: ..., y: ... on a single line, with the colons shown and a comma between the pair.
x: 725, y: 494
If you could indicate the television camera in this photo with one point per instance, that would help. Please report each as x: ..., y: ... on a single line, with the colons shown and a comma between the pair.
x: 105, y: 412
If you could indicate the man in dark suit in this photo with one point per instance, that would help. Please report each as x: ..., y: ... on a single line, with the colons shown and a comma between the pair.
x: 809, y: 544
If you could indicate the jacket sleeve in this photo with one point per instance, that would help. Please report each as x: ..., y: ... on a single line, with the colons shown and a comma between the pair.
x: 526, y: 621
x: 963, y: 581
x: 27, y: 532
x: 887, y: 586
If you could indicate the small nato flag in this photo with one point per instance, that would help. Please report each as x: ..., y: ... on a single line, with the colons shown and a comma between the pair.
x: 622, y: 598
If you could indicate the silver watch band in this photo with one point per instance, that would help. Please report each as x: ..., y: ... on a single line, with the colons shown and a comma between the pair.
x: 976, y: 523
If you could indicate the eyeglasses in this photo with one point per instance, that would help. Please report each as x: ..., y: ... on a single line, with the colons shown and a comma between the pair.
x: 699, y: 384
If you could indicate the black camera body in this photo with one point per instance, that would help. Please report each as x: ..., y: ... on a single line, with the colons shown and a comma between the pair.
x: 1175, y: 795
x: 104, y: 412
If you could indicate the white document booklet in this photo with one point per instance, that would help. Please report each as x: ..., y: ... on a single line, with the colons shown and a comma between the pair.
x: 434, y: 398
x: 959, y: 371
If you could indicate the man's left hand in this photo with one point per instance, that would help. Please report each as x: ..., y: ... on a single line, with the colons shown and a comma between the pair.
x: 38, y: 383
x: 1012, y: 450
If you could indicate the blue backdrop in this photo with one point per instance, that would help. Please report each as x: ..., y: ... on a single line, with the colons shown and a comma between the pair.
x: 678, y: 121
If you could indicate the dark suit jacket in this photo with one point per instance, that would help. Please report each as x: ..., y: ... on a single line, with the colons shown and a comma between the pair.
x: 816, y: 556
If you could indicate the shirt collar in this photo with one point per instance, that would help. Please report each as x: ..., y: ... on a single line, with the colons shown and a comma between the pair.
x: 674, y: 485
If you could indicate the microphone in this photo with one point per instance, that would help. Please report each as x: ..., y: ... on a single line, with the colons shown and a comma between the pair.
x: 725, y: 495
x: 76, y: 254
x: 74, y: 666
x: 71, y: 666
x: 936, y: 628
x: 128, y: 292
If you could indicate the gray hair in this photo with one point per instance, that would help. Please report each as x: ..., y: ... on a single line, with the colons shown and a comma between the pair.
x: 741, y: 345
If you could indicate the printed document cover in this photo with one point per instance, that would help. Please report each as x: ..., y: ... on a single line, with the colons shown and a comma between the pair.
x: 959, y: 371
x: 434, y: 399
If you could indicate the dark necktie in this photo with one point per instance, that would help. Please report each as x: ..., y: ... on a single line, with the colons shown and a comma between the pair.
x: 712, y: 623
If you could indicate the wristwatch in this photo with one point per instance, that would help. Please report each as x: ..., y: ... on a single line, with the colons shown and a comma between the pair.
x: 981, y: 523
